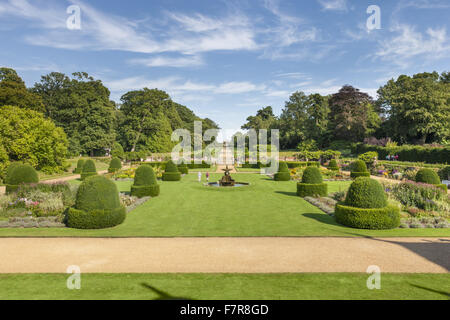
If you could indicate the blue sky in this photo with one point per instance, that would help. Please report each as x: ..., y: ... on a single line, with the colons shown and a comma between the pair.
x: 226, y: 59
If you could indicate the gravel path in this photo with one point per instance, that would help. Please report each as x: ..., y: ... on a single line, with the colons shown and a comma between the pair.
x: 224, y: 255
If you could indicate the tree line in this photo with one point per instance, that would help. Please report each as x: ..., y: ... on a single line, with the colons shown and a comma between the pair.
x: 84, y: 119
x: 409, y: 110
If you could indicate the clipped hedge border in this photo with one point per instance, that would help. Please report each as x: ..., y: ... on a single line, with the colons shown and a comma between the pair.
x: 171, y: 176
x: 355, y: 175
x: 95, y: 219
x: 297, y: 164
x: 282, y: 176
x: 376, y: 219
x: 145, y: 191
x: 312, y: 190
x: 85, y: 175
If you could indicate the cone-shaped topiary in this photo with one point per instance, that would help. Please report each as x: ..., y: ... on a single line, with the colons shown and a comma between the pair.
x: 145, y: 182
x: 183, y: 168
x: 97, y: 205
x: 20, y: 174
x: 115, y: 165
x: 333, y: 165
x: 359, y: 169
x: 89, y: 169
x: 366, y: 207
x: 79, y: 168
x: 312, y: 184
x: 283, y: 173
x: 171, y: 173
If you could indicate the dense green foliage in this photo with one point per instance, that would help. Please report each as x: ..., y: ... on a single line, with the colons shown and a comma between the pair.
x: 145, y: 182
x: 358, y: 168
x: 97, y: 205
x: 183, y: 168
x: 89, y: 169
x: 363, y: 218
x: 283, y: 173
x: 13, y: 92
x: 366, y: 193
x: 20, y: 174
x: 171, y: 172
x: 117, y: 151
x: 27, y: 136
x: 409, y: 153
x: 115, y: 165
x: 81, y: 106
x: 427, y: 176
x: 418, y: 195
x: 79, y: 168
x: 418, y: 108
x: 312, y: 175
x: 444, y: 173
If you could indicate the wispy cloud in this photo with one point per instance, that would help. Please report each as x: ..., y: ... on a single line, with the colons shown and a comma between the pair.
x: 161, y: 61
x: 409, y: 43
x: 336, y: 5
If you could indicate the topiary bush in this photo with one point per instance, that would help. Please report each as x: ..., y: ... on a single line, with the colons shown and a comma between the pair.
x: 10, y: 169
x: 20, y: 174
x: 171, y: 172
x: 89, y: 169
x: 79, y: 168
x: 366, y: 207
x: 333, y: 165
x: 312, y: 184
x: 97, y: 205
x: 115, y: 165
x: 283, y: 173
x: 183, y: 168
x: 359, y: 169
x: 145, y: 184
x: 427, y: 176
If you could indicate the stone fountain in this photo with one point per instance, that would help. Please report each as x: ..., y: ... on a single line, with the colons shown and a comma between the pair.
x: 226, y: 180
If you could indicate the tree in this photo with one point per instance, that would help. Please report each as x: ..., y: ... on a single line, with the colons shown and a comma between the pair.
x: 417, y: 107
x: 352, y: 115
x: 263, y: 120
x: 317, y: 118
x: 81, y: 106
x: 14, y: 92
x: 28, y: 137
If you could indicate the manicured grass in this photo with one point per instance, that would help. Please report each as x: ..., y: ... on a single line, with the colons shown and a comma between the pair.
x: 265, y: 208
x: 225, y: 286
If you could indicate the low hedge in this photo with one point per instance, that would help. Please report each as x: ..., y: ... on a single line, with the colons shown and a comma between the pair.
x: 409, y: 153
x: 355, y: 175
x: 145, y: 191
x: 298, y: 164
x: 362, y: 218
x: 282, y: 176
x: 95, y: 219
x: 171, y: 176
x: 312, y: 190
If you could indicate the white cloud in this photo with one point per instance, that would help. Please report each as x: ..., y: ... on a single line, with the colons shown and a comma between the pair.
x: 185, y: 61
x: 238, y: 87
x: 409, y: 43
x: 335, y: 5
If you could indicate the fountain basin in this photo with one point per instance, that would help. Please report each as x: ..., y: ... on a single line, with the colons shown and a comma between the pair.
x: 236, y: 185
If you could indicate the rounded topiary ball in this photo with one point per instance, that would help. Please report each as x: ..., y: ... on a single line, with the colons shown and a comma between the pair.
x: 283, y: 173
x: 366, y: 193
x: 358, y: 166
x: 183, y: 168
x: 171, y: 172
x: 283, y: 167
x: 79, y: 168
x: 97, y: 193
x: 115, y: 165
x: 312, y: 175
x: 427, y: 176
x: 333, y: 165
x: 20, y: 174
x: 10, y: 169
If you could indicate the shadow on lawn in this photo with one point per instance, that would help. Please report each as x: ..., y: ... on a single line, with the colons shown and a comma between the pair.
x: 287, y: 193
x: 447, y: 294
x: 161, y: 294
x: 321, y: 217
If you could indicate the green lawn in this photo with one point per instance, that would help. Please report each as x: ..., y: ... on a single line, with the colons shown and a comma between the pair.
x: 265, y: 208
x: 73, y: 164
x: 225, y: 286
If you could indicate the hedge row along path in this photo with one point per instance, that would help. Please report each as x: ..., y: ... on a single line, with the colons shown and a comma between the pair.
x: 224, y: 255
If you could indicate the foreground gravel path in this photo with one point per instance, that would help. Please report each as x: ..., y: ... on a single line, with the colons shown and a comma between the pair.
x: 224, y: 255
